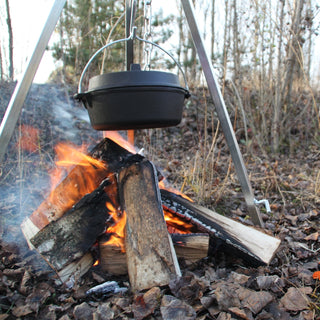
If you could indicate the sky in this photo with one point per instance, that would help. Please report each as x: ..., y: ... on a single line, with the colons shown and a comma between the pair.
x: 28, y: 19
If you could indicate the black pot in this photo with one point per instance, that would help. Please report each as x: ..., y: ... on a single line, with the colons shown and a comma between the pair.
x: 134, y: 100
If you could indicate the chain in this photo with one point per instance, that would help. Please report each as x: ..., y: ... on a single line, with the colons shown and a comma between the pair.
x: 147, y: 33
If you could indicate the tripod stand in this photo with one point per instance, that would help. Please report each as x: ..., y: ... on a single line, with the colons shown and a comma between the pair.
x: 22, y: 88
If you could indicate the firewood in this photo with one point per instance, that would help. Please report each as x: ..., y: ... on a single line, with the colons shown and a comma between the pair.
x: 112, y: 259
x: 69, y: 238
x: 252, y: 245
x: 151, y: 259
x: 58, y: 202
x: 191, y: 247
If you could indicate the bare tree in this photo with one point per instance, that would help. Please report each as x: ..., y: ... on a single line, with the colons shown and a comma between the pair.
x: 293, y: 51
x: 277, y: 103
x: 10, y: 34
x: 212, y: 29
x: 226, y: 42
x: 1, y: 64
x: 236, y: 52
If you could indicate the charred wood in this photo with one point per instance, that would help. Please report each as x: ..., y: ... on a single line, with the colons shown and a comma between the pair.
x: 250, y: 244
x: 63, y: 241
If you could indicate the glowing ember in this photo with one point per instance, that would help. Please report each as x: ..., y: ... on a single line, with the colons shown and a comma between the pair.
x: 96, y: 263
x: 176, y: 225
x: 29, y: 139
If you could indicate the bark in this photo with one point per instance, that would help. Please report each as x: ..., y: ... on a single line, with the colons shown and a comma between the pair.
x: 70, y: 238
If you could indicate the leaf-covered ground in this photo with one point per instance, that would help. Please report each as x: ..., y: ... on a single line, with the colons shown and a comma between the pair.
x: 195, y: 159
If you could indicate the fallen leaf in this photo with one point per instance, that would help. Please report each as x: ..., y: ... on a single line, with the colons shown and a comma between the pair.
x: 247, y: 315
x: 257, y: 301
x: 313, y: 236
x: 188, y: 287
x: 316, y: 275
x: 227, y: 296
x: 145, y: 304
x: 295, y: 299
x: 175, y: 309
x: 21, y: 311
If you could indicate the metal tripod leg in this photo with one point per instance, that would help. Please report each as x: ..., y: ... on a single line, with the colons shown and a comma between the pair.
x: 16, y: 102
x: 222, y: 113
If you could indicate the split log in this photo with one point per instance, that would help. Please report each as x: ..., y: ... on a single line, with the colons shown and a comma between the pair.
x: 58, y: 202
x: 112, y: 259
x: 63, y: 242
x: 191, y: 247
x: 151, y: 259
x: 253, y: 246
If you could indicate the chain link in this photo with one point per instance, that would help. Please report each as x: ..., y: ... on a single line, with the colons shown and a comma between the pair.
x: 147, y: 33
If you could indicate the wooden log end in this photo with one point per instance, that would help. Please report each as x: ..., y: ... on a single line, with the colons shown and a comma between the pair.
x: 76, y: 269
x: 29, y: 230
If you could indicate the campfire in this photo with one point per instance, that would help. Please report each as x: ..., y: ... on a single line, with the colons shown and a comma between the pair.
x: 114, y: 198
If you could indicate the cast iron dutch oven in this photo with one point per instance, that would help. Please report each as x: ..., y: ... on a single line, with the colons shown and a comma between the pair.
x: 134, y: 99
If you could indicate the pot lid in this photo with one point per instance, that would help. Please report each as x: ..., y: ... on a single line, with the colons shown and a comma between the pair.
x: 133, y: 78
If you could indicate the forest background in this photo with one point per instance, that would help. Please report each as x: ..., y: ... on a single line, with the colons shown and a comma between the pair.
x: 264, y: 53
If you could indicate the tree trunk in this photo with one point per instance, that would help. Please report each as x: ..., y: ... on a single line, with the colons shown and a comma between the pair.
x: 212, y: 30
x: 1, y: 64
x: 293, y: 52
x: 236, y: 51
x: 10, y: 38
x: 276, y: 130
x: 226, y: 40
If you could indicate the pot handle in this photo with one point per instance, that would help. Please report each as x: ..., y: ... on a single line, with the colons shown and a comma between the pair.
x: 132, y: 36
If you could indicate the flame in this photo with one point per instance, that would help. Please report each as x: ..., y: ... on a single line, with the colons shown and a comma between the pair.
x: 90, y: 174
x: 117, y: 230
x: 96, y: 263
x: 117, y: 138
x: 175, y: 224
x: 173, y: 190
x: 29, y: 139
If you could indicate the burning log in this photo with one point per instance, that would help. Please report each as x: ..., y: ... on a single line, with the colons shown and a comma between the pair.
x: 151, y: 258
x: 252, y: 245
x: 110, y: 157
x: 191, y: 247
x: 70, y: 238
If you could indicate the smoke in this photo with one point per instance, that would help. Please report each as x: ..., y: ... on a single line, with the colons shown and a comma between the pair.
x: 49, y: 116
